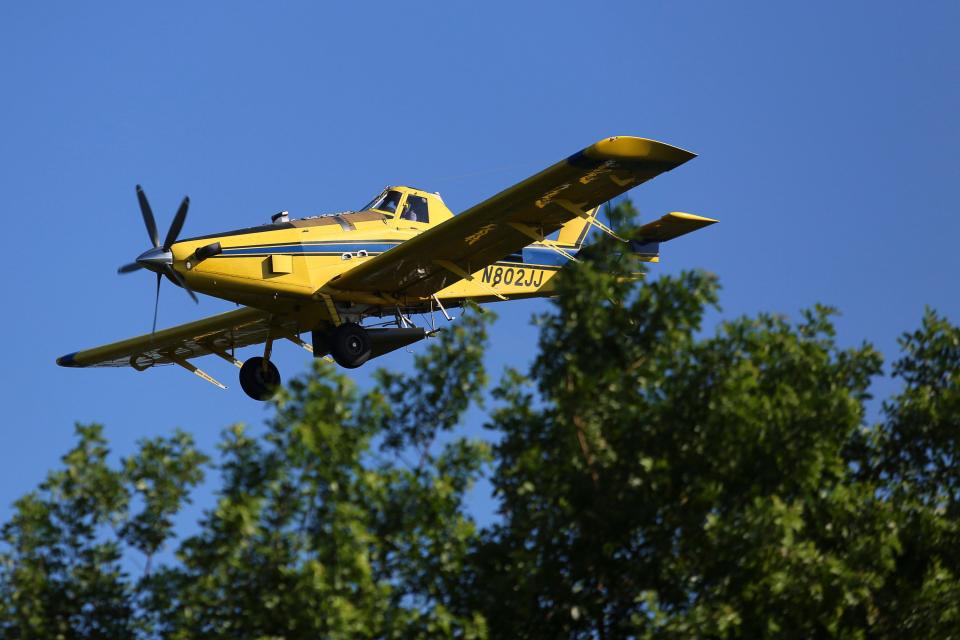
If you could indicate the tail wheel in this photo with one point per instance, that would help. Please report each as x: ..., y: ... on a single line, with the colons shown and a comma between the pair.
x: 259, y: 382
x: 350, y: 345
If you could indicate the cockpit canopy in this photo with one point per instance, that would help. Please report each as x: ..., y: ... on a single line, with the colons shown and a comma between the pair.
x: 406, y: 203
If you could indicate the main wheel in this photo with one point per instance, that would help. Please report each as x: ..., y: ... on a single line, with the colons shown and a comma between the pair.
x: 350, y: 345
x: 258, y: 383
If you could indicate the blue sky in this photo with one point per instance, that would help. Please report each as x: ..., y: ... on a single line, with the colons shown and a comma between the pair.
x: 827, y: 136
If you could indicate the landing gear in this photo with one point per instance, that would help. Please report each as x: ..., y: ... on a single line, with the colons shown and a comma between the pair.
x: 259, y: 381
x: 350, y: 345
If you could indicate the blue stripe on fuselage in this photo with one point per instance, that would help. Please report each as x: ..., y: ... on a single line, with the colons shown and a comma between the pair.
x: 311, y: 248
x: 530, y: 255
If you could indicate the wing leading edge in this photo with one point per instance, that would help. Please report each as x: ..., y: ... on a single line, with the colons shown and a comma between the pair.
x: 214, y: 335
x: 513, y: 218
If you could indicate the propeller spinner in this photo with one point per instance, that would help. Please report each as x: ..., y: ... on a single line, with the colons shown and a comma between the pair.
x: 159, y: 259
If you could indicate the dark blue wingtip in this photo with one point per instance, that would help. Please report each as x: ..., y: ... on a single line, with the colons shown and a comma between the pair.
x: 67, y: 360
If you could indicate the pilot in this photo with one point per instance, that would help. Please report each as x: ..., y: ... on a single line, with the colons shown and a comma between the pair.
x: 415, y: 209
x: 408, y: 212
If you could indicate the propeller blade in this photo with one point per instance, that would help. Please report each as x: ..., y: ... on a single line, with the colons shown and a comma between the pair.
x: 176, y: 277
x: 166, y: 270
x: 176, y: 225
x: 156, y: 305
x: 148, y: 219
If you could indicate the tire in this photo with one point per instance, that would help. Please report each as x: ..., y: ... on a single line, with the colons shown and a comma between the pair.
x: 257, y: 383
x: 350, y: 345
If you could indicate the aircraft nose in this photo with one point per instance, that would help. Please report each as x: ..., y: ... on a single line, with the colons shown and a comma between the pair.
x: 155, y: 258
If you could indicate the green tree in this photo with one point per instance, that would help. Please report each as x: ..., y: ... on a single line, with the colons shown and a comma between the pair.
x: 653, y: 480
x: 62, y: 573
x: 913, y: 456
x: 658, y: 482
x: 344, y: 520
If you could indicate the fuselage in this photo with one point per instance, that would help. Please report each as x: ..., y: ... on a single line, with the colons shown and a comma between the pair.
x: 289, y: 265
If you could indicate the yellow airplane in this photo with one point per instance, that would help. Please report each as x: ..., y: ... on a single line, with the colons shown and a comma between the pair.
x: 353, y: 279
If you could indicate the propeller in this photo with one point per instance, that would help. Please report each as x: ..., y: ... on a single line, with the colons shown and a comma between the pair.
x: 159, y: 259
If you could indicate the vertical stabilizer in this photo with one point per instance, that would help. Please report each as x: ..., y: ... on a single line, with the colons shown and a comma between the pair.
x: 573, y: 233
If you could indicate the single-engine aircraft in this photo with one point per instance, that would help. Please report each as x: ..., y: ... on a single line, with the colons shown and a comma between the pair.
x: 338, y: 276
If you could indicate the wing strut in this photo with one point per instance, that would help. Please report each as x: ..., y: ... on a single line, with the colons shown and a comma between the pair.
x: 592, y: 219
x: 297, y: 340
x: 186, y: 364
x: 536, y: 236
x: 440, y: 304
x: 223, y: 354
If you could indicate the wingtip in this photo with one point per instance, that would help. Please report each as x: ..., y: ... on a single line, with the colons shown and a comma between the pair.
x: 68, y: 360
x: 635, y: 148
x: 692, y: 216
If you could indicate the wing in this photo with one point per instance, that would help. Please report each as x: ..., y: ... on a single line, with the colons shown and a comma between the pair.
x: 513, y: 218
x: 216, y: 334
x: 672, y: 225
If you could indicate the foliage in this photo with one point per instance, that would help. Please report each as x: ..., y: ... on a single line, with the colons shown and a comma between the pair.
x: 653, y: 480
x: 62, y: 575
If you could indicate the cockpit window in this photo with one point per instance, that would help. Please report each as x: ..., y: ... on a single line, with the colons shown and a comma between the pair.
x: 415, y: 209
x: 385, y: 202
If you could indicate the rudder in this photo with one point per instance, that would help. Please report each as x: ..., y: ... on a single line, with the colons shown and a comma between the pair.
x: 574, y: 232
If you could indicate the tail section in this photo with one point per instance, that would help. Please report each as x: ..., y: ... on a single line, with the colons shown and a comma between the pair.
x: 646, y: 244
x: 573, y: 233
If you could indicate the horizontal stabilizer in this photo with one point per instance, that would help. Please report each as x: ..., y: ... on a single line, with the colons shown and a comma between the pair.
x: 672, y: 225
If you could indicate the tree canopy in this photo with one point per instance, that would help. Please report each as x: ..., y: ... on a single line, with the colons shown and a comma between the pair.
x: 653, y: 479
